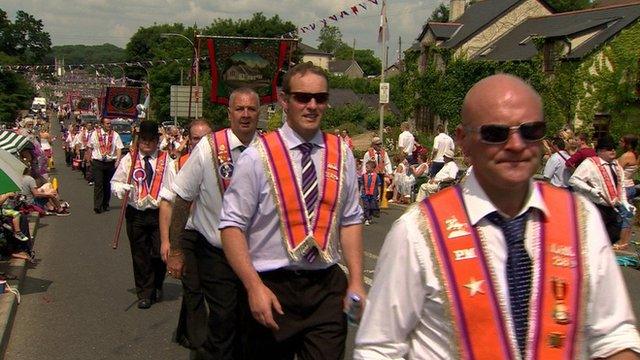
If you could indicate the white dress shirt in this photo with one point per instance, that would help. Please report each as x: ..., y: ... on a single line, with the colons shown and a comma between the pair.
x: 448, y: 172
x: 197, y: 182
x: 441, y: 143
x: 556, y: 170
x: 80, y: 137
x: 588, y: 173
x: 404, y: 316
x: 406, y: 141
x: 249, y: 204
x: 167, y: 193
x: 120, y: 178
x: 95, y: 145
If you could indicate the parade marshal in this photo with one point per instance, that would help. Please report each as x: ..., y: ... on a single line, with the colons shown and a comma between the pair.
x: 148, y: 174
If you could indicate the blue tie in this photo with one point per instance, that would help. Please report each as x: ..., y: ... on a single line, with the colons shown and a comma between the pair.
x: 148, y: 170
x: 519, y: 272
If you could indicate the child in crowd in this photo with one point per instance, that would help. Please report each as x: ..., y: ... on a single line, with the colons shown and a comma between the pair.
x: 370, y: 193
x: 403, y: 180
x: 10, y: 212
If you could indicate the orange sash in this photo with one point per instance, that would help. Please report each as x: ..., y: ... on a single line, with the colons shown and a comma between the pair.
x: 222, y: 161
x: 369, y: 182
x: 299, y: 232
x: 480, y: 321
x: 158, y: 174
x: 105, y: 148
x: 380, y: 163
x: 612, y: 189
x: 181, y: 161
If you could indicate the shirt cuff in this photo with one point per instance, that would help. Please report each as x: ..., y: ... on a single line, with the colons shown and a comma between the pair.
x: 624, y: 337
x: 229, y: 223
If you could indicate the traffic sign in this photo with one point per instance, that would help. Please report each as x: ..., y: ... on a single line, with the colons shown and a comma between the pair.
x: 179, y: 103
x: 384, y: 93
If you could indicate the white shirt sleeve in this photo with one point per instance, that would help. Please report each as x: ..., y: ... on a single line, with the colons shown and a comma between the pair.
x: 166, y: 191
x: 188, y: 180
x: 117, y: 141
x: 392, y: 311
x: 122, y: 172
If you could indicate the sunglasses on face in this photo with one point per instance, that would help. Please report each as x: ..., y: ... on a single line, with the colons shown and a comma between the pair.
x: 304, y: 98
x: 499, y: 134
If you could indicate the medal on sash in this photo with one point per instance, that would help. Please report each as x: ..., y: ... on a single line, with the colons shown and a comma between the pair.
x: 225, y: 169
x: 560, y: 311
x: 139, y: 175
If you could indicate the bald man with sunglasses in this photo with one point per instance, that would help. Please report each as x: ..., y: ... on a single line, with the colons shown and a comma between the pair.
x: 500, y: 266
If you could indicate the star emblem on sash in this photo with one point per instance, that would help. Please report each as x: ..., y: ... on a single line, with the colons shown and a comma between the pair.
x: 474, y: 286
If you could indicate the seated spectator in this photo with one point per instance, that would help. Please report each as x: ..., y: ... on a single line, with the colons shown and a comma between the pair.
x: 422, y: 169
x: 448, y: 172
x: 9, y: 212
x: 44, y: 196
x: 403, y: 180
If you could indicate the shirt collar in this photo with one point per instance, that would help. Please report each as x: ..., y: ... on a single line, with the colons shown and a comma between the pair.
x: 234, y: 142
x: 153, y: 155
x: 292, y: 139
x: 478, y: 203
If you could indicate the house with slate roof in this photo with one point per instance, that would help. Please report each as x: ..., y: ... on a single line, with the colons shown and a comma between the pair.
x: 348, y: 68
x: 519, y: 30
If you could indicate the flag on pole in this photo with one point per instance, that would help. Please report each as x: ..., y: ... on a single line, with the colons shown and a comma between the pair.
x: 384, y: 25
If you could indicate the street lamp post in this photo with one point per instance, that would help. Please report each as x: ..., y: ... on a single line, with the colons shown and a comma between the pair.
x: 148, y: 110
x: 196, y: 56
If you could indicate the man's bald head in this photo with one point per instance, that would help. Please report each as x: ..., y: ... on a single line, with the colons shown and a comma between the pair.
x: 495, y: 92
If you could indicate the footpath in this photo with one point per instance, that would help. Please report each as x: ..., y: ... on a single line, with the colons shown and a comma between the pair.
x: 14, y: 270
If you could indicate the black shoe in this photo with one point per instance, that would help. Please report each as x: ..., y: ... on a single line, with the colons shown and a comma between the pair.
x: 144, y: 303
x: 97, y: 211
x: 105, y: 208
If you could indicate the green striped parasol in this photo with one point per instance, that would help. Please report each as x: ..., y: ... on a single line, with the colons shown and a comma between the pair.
x: 10, y: 172
x: 12, y: 142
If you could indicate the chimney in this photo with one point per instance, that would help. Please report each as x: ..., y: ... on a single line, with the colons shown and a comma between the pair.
x: 456, y: 9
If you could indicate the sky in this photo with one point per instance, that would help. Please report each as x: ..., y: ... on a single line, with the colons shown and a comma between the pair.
x: 91, y: 22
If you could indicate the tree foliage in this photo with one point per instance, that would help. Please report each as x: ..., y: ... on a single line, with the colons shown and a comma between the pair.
x: 330, y: 39
x: 22, y: 41
x: 148, y: 44
x: 440, y: 14
x: 331, y: 42
x: 569, y: 5
x: 88, y: 54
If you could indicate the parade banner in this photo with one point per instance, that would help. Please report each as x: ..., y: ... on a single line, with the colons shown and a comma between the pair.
x: 121, y: 102
x: 245, y: 62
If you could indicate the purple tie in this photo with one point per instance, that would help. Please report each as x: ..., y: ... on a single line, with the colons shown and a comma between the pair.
x: 309, y: 188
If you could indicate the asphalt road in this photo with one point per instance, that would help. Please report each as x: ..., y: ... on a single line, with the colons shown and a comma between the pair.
x: 78, y: 302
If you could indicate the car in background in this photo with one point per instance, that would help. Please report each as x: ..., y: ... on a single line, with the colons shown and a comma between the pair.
x: 123, y: 128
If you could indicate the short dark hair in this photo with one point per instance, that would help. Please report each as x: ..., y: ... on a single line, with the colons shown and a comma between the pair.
x: 630, y: 142
x: 559, y: 143
x: 302, y: 69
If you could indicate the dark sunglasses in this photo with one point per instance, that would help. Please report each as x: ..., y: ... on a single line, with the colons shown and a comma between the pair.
x: 499, y: 134
x: 304, y: 98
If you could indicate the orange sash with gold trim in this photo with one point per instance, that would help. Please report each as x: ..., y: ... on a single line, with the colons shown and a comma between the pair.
x: 380, y: 165
x: 299, y: 231
x: 473, y: 299
x: 158, y: 175
x: 612, y: 189
x: 222, y: 161
x: 182, y: 160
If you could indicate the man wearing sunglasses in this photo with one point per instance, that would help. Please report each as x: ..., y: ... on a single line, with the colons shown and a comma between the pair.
x: 600, y: 179
x: 283, y: 224
x: 499, y: 267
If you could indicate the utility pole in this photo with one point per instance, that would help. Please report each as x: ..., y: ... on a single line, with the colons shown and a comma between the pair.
x: 400, y: 53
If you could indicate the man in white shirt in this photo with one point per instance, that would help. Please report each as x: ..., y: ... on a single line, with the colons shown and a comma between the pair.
x: 441, y: 143
x: 406, y: 142
x: 600, y: 179
x: 106, y: 150
x: 201, y: 182
x: 192, y: 322
x: 555, y: 170
x: 464, y: 274
x: 448, y: 172
x: 148, y: 168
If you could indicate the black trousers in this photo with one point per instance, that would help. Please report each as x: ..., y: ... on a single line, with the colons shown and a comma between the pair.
x: 149, y: 270
x: 102, y: 172
x: 192, y: 322
x: 313, y: 326
x: 226, y: 299
x: 612, y: 222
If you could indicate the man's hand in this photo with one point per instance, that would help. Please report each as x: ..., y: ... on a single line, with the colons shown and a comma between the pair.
x: 165, y: 247
x: 261, y: 301
x: 175, y: 264
x: 356, y: 289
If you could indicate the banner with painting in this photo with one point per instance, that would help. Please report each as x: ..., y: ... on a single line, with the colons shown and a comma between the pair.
x: 246, y: 62
x: 121, y: 102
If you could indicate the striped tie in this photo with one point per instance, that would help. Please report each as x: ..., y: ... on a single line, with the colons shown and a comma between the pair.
x: 518, y: 271
x: 309, y: 188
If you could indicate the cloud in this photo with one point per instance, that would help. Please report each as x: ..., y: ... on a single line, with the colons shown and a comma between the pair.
x: 99, y: 21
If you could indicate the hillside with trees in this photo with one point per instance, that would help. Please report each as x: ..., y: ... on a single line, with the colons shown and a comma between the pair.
x: 88, y: 54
